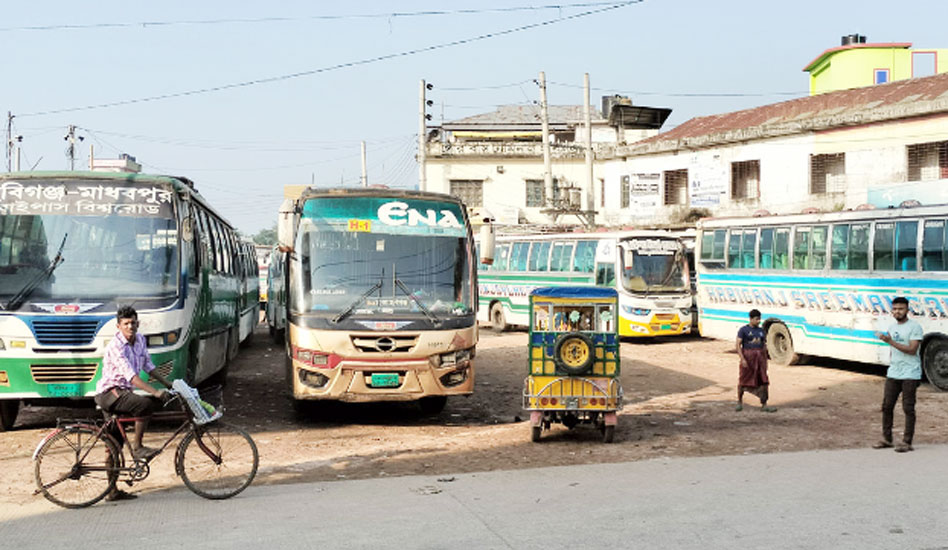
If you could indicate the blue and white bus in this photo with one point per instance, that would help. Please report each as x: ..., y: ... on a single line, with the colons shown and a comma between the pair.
x: 74, y: 246
x: 824, y: 282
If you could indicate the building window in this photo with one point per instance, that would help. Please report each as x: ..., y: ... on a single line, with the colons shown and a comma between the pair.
x: 625, y: 188
x: 676, y: 187
x: 827, y: 173
x: 471, y: 192
x: 535, y: 193
x: 928, y: 161
x: 880, y: 76
x: 745, y: 180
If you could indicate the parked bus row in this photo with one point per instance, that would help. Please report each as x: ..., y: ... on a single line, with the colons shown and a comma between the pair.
x: 74, y: 246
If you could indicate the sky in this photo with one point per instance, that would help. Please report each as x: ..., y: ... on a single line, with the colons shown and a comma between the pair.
x: 246, y: 97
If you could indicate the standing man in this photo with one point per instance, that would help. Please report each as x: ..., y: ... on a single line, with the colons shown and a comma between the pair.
x: 903, y: 376
x: 752, y: 349
x: 126, y: 357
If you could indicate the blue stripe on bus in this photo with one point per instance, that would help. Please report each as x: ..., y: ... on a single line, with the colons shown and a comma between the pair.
x: 868, y: 281
x: 864, y: 336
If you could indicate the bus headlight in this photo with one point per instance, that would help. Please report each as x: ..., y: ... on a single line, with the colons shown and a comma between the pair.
x: 315, y: 358
x: 454, y: 357
x: 629, y: 310
x: 686, y: 312
x: 163, y: 338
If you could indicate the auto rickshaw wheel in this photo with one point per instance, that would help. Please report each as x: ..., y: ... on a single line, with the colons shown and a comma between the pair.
x: 573, y: 353
x: 535, y: 432
x: 608, y: 434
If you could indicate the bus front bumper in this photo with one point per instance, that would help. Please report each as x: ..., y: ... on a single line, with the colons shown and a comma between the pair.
x: 363, y: 382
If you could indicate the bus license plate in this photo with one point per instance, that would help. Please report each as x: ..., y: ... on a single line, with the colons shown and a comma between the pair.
x: 63, y: 390
x: 385, y: 380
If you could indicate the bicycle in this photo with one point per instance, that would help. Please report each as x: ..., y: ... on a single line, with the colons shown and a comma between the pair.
x: 81, y: 461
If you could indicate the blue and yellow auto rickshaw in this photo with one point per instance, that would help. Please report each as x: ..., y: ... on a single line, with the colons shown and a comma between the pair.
x: 573, y: 366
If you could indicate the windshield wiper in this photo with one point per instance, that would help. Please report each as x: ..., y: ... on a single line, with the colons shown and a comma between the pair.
x: 348, y: 311
x: 24, y: 293
x: 431, y: 316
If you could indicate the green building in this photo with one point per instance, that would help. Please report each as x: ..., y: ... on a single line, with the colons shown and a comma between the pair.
x: 856, y: 63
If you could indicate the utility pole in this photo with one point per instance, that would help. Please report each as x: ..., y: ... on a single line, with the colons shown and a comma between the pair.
x: 547, y: 162
x: 13, y: 146
x: 71, y: 149
x: 422, y: 135
x: 590, y: 198
x: 365, y: 175
x: 9, y: 138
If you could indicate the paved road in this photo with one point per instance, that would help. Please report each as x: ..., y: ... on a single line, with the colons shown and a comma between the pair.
x: 821, y: 499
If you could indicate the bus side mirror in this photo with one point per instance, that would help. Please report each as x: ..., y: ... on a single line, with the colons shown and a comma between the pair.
x: 487, y: 244
x: 286, y: 224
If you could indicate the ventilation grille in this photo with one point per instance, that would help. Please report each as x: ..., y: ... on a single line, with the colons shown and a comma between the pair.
x: 63, y: 374
x: 385, y: 344
x: 71, y: 332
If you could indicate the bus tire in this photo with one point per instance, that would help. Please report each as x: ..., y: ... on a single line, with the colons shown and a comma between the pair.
x: 498, y: 321
x: 9, y: 408
x: 574, y: 353
x: 780, y: 345
x: 935, y: 362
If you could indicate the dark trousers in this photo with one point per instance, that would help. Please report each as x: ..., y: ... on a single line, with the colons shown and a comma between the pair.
x: 893, y: 388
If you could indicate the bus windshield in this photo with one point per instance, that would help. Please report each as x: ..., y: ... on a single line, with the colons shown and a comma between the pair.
x: 111, y: 257
x: 350, y: 273
x: 652, y: 265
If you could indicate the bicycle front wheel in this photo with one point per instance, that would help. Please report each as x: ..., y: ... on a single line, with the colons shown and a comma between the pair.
x: 75, y: 469
x: 217, y: 460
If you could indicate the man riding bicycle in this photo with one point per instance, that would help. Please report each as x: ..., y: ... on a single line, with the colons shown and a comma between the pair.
x: 125, y: 358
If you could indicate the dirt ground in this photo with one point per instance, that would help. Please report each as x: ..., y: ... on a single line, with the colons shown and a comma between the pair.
x: 679, y: 401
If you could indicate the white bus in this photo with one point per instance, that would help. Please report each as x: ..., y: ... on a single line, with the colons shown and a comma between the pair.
x: 824, y: 282
x: 647, y: 268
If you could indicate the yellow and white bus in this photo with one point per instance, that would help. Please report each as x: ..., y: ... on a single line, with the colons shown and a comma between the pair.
x: 647, y: 268
x: 380, y: 296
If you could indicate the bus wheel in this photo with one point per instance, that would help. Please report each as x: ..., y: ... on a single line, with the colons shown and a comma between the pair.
x: 8, y: 411
x: 936, y: 363
x: 780, y: 345
x: 498, y: 321
x: 535, y: 432
x: 432, y: 405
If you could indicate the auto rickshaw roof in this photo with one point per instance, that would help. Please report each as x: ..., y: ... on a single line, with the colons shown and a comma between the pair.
x: 584, y: 292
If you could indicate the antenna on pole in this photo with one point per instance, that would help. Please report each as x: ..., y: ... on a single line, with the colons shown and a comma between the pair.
x: 71, y: 138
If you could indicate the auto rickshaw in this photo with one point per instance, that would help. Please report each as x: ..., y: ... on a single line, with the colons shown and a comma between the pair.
x: 573, y: 365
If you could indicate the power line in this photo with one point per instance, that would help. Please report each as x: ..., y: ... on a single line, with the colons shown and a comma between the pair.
x: 405, y: 53
x: 383, y: 15
x: 686, y: 94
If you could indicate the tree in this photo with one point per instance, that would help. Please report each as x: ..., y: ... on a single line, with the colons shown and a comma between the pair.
x: 266, y: 236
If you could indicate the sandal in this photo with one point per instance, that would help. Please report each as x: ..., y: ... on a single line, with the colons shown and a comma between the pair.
x: 882, y: 444
x: 768, y: 409
x: 119, y: 494
x: 903, y: 448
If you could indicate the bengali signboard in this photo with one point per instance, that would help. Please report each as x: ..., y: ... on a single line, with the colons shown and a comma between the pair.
x: 84, y: 198
x: 644, y: 193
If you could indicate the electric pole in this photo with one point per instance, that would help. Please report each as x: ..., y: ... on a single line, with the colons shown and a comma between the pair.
x: 71, y: 138
x: 9, y: 138
x: 365, y: 175
x: 590, y: 198
x: 423, y: 118
x: 547, y: 162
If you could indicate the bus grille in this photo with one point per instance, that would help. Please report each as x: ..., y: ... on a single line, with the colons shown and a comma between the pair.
x: 72, y: 332
x: 63, y: 374
x: 384, y: 344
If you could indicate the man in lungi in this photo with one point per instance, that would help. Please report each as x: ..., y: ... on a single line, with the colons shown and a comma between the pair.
x: 752, y: 349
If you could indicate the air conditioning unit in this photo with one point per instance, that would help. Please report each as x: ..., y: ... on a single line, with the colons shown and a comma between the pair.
x: 576, y: 198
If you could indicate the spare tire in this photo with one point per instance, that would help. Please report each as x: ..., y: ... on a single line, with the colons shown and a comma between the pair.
x: 573, y: 353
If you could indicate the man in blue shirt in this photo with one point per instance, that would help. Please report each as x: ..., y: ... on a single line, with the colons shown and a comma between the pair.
x: 751, y: 345
x: 903, y: 376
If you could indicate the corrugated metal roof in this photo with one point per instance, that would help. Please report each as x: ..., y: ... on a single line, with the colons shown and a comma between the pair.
x: 508, y: 117
x: 881, y: 102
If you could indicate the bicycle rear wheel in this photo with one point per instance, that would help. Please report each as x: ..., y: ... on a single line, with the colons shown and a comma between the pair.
x: 75, y: 469
x: 217, y: 460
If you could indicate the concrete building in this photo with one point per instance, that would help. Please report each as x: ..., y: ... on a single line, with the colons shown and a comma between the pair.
x: 494, y: 161
x: 876, y: 145
x: 856, y: 63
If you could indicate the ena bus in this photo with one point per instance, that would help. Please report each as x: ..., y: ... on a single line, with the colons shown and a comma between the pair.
x: 824, y: 282
x: 76, y: 245
x: 380, y: 296
x: 647, y: 268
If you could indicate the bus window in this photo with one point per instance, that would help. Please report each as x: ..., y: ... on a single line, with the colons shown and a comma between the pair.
x: 606, y: 275
x: 782, y: 248
x: 747, y: 248
x: 584, y: 259
x: 501, y: 257
x: 882, y: 247
x: 562, y: 254
x: 906, y: 244
x: 801, y: 246
x: 707, y: 244
x: 734, y: 248
x: 717, y: 249
x: 839, y: 256
x: 933, y: 246
x: 518, y: 256
x: 540, y: 256
x: 817, y: 257
x: 766, y: 257
x: 859, y: 246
